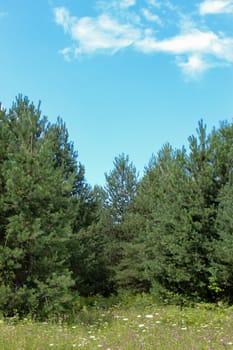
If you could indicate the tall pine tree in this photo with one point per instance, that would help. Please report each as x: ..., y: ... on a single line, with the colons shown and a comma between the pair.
x: 39, y: 176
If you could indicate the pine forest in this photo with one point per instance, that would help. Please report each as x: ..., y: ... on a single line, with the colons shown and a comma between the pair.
x: 167, y: 233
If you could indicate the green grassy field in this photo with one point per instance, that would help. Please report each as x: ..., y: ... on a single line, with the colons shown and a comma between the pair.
x: 122, y: 327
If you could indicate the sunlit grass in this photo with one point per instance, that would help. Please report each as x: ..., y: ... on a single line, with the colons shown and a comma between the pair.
x: 126, y: 328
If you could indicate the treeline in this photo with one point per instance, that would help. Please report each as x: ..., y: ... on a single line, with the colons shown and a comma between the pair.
x: 169, y: 233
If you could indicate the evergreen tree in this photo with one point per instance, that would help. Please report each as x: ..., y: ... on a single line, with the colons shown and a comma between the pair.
x: 4, y: 140
x: 37, y: 209
x: 120, y: 189
x: 211, y: 167
x: 170, y: 233
x: 118, y: 197
x: 182, y: 194
x: 170, y: 258
x: 221, y: 280
x: 222, y: 265
x: 88, y: 261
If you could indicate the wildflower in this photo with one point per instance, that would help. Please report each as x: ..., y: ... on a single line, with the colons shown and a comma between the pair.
x: 149, y: 316
x: 141, y: 325
x: 74, y: 327
x: 229, y: 343
x: 125, y: 319
x: 183, y: 328
x: 158, y: 322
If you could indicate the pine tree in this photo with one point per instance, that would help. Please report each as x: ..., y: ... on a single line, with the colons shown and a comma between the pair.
x: 118, y: 197
x: 120, y: 189
x: 4, y: 140
x: 168, y: 260
x: 181, y: 195
x: 222, y: 263
x: 37, y: 209
x: 87, y: 247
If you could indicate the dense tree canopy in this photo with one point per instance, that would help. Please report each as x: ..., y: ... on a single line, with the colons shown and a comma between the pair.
x: 41, y: 185
x: 169, y: 233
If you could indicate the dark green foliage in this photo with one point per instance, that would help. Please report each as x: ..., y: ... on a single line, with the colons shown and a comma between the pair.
x: 171, y: 242
x: 120, y: 189
x: 177, y: 205
x: 118, y: 198
x: 87, y: 246
x: 89, y: 262
x: 221, y: 280
x: 170, y: 233
x: 39, y: 176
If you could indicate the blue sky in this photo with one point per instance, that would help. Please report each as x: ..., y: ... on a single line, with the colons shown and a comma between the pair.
x: 125, y: 75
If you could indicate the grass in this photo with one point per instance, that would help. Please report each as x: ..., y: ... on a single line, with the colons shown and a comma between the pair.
x: 139, y: 326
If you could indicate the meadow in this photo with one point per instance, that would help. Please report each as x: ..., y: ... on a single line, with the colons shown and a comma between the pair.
x: 138, y: 326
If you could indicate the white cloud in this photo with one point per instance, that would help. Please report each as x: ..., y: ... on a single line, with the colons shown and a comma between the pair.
x: 180, y: 44
x: 102, y: 33
x: 151, y: 16
x: 163, y: 3
x: 63, y: 18
x: 122, y: 5
x: 216, y: 6
x: 194, y: 65
x: 195, y: 50
x: 154, y: 3
x: 67, y: 53
x: 194, y: 42
x: 127, y: 3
